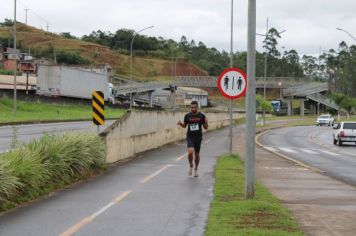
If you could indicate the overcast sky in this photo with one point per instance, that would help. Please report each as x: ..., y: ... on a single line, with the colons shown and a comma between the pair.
x: 309, y: 24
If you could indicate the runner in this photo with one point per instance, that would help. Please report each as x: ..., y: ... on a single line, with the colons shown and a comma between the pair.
x: 195, y: 121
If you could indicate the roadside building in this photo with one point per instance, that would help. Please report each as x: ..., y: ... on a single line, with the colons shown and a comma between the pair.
x: 183, y: 97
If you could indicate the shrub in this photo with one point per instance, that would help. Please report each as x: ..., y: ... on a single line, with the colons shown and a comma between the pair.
x: 43, y: 165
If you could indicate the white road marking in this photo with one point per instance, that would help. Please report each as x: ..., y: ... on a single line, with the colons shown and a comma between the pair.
x: 287, y: 150
x: 181, y: 157
x: 148, y: 178
x: 283, y: 168
x: 308, y: 151
x: 330, y: 153
x: 75, y: 228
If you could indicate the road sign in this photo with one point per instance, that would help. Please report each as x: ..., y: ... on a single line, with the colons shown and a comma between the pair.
x: 98, y: 108
x: 232, y: 83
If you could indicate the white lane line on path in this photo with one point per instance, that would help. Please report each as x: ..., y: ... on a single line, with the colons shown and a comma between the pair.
x: 330, y: 153
x: 181, y: 157
x: 208, y: 141
x: 148, y: 178
x: 308, y: 151
x: 75, y: 228
x: 287, y: 150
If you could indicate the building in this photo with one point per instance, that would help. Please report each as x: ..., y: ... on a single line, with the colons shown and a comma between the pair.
x: 25, y: 61
x: 184, y: 96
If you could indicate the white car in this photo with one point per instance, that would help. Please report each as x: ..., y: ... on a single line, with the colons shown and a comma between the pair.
x: 325, y: 120
x: 344, y: 132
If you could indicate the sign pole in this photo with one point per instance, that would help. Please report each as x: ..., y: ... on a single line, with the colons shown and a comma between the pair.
x: 231, y: 66
x: 250, y: 103
x: 98, y: 105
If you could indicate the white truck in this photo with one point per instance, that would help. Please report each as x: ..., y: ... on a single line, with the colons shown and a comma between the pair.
x: 344, y: 132
x: 63, y: 81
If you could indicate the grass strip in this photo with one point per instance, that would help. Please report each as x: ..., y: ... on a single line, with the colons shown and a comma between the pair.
x: 42, y: 166
x: 231, y: 214
x: 32, y: 111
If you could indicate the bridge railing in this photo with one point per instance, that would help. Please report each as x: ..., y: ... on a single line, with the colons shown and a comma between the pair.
x: 323, y: 100
x: 305, y: 89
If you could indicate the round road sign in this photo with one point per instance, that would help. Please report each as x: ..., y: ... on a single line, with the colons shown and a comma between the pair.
x: 232, y: 83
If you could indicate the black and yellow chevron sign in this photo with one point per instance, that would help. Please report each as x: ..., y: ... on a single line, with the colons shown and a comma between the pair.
x: 98, y: 108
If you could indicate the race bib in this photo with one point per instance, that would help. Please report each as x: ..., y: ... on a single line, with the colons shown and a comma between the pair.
x: 194, y: 127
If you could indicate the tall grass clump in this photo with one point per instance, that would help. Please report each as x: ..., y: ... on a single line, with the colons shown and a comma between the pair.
x: 48, y: 163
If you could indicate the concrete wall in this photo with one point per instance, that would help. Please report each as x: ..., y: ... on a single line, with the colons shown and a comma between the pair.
x: 139, y: 131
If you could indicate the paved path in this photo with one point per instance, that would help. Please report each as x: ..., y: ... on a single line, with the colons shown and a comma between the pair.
x: 151, y: 195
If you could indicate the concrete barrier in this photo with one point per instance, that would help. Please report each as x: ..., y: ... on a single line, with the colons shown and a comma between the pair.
x: 139, y: 131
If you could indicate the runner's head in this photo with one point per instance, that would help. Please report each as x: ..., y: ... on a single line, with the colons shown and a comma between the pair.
x: 194, y: 106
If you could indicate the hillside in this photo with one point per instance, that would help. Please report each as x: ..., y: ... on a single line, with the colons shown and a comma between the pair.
x: 42, y: 43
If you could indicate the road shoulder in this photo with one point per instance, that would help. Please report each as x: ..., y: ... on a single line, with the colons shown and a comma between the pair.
x: 320, y: 204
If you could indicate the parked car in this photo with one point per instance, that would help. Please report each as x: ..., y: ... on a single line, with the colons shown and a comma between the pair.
x: 344, y: 132
x: 325, y: 120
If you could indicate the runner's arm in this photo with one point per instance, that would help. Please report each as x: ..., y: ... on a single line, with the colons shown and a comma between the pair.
x: 181, y: 124
x: 206, y: 125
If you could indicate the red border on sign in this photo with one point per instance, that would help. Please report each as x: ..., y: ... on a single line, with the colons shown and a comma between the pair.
x: 221, y: 77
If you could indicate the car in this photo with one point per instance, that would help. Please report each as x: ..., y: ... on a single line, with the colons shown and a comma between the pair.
x: 325, y: 120
x: 344, y: 132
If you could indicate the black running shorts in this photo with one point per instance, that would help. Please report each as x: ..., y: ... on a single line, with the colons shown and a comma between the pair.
x: 194, y: 143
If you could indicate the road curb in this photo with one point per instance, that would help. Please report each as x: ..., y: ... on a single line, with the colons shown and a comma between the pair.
x: 284, y: 156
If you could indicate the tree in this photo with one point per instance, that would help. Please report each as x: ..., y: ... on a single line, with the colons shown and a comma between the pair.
x: 271, y: 42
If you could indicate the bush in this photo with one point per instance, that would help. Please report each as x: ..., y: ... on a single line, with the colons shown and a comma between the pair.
x: 73, y: 58
x: 9, y: 72
x: 43, y: 165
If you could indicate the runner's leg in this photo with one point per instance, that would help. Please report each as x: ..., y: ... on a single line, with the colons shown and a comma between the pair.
x: 190, y: 156
x: 197, y: 145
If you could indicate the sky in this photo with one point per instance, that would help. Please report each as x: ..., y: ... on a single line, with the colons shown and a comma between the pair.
x: 310, y: 24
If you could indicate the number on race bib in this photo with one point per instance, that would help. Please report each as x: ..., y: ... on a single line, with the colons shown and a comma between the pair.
x: 194, y: 127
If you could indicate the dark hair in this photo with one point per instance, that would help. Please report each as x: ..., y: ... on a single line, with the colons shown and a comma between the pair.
x: 194, y: 103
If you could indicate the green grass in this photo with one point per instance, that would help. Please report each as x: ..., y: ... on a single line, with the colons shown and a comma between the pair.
x: 231, y: 214
x: 42, y: 166
x: 31, y: 111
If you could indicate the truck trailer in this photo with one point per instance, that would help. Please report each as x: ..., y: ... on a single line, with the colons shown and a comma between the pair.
x: 64, y: 81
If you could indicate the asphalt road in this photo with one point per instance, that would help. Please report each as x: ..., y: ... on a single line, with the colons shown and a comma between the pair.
x: 151, y: 195
x: 314, y: 146
x: 27, y: 132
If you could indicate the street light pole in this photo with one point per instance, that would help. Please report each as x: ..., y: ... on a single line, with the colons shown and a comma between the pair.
x: 347, y: 33
x: 133, y: 38
x: 265, y: 80
x: 231, y: 65
x: 15, y: 64
x: 250, y: 103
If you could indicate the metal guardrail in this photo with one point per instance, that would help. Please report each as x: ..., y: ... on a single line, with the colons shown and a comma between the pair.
x: 323, y: 100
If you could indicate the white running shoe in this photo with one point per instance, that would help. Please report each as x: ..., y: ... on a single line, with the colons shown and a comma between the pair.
x: 196, y: 173
x: 190, y: 171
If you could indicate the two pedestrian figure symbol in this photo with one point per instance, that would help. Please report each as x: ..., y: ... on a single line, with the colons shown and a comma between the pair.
x: 227, y: 85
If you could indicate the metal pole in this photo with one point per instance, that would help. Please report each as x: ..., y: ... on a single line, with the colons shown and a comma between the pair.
x: 26, y: 10
x: 133, y: 38
x: 231, y: 65
x: 15, y: 64
x: 264, y: 81
x: 250, y: 103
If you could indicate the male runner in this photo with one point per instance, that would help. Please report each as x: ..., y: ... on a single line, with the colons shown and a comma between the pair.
x: 195, y: 121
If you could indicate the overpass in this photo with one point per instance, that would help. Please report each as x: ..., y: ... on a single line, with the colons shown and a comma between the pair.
x: 291, y: 88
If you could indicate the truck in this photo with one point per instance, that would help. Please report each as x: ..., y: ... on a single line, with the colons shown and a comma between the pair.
x: 64, y: 81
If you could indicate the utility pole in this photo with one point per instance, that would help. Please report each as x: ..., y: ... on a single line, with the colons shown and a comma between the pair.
x: 47, y: 26
x: 250, y: 103
x: 26, y: 10
x: 265, y: 80
x: 231, y: 65
x: 15, y: 63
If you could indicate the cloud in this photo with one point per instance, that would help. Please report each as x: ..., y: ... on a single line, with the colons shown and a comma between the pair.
x: 310, y: 24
